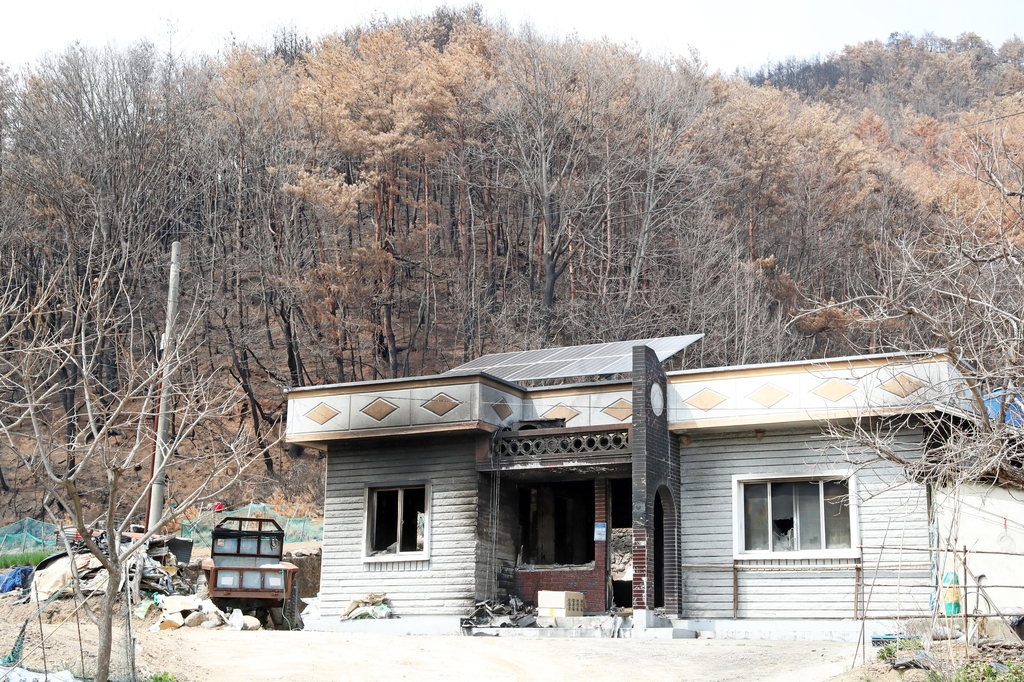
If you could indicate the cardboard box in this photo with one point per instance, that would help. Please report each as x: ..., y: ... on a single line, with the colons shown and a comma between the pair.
x: 560, y: 604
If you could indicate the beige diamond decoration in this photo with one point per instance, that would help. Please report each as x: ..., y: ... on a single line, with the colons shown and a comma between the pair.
x: 902, y: 385
x: 322, y: 414
x: 441, y: 404
x: 768, y: 395
x: 502, y: 409
x: 379, y: 409
x: 561, y: 411
x: 705, y: 400
x: 834, y: 390
x: 621, y: 409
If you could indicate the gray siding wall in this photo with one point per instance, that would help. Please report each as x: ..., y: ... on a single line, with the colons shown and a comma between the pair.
x: 497, y: 537
x: 444, y: 584
x: 892, y: 512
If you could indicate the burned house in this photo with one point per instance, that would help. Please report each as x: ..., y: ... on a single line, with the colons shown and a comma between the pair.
x: 702, y: 499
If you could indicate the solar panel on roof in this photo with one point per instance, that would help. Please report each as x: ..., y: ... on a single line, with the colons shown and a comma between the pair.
x: 572, y: 361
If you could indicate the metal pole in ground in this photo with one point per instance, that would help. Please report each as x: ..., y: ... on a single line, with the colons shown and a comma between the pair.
x: 163, y: 427
x: 967, y: 634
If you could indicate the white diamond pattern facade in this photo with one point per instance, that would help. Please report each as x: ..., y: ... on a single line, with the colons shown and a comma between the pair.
x: 695, y: 399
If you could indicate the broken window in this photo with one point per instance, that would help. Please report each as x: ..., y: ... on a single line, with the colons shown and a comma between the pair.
x: 397, y: 520
x: 556, y: 523
x: 788, y: 516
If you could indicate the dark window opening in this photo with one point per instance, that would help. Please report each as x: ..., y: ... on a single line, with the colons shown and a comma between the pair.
x: 413, y: 508
x: 398, y: 520
x: 622, y: 502
x: 386, y: 516
x: 556, y: 523
x: 783, y: 518
x: 622, y: 593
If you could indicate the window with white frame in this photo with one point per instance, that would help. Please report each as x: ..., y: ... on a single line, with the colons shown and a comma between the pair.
x: 795, y: 515
x: 396, y: 520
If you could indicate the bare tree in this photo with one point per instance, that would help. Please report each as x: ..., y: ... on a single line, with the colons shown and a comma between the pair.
x: 958, y: 288
x: 92, y: 455
x: 555, y: 110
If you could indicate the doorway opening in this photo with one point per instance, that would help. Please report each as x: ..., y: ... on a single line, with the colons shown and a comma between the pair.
x: 620, y: 541
x: 659, y: 552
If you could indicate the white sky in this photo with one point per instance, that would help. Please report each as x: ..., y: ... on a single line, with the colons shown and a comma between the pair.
x: 728, y: 33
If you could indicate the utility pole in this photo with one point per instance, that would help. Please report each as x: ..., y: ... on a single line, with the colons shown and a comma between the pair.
x: 163, y: 423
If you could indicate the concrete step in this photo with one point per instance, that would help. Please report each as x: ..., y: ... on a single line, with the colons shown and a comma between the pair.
x: 541, y: 633
x: 664, y: 633
x: 587, y: 627
x: 578, y: 626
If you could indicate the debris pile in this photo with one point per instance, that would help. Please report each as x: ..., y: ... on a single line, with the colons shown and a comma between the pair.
x: 154, y: 569
x: 190, y: 611
x: 921, y: 661
x: 160, y: 575
x: 621, y: 550
x: 507, y: 613
x: 373, y: 605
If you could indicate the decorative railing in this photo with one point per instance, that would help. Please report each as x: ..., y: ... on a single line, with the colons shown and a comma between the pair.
x: 560, y: 447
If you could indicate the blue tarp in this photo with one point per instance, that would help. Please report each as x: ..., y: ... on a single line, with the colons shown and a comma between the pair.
x: 1014, y: 406
x: 14, y: 579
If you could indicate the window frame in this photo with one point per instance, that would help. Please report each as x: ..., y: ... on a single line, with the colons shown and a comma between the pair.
x: 739, y: 528
x: 369, y: 522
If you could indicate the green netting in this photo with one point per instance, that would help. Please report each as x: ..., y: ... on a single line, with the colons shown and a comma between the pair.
x: 296, y: 528
x: 27, y: 535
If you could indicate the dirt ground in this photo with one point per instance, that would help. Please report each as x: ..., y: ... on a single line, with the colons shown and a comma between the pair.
x: 197, y: 655
x: 319, y: 656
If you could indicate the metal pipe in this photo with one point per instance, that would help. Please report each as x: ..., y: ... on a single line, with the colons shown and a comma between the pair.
x: 735, y: 591
x: 940, y: 549
x: 967, y: 634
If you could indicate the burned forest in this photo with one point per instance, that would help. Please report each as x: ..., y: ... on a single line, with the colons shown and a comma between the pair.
x: 402, y: 197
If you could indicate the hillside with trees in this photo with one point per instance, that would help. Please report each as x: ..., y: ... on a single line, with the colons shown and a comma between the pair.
x: 399, y: 198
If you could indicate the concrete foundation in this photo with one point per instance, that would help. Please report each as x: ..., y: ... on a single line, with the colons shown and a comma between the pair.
x: 410, y: 625
x: 824, y: 630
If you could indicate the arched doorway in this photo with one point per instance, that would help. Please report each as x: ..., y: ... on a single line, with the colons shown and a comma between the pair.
x: 659, y: 552
x: 665, y: 554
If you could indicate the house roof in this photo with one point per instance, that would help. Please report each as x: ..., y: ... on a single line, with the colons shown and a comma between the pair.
x: 594, y: 359
x: 705, y: 400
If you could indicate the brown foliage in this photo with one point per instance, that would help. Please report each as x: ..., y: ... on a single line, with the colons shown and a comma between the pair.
x: 406, y: 195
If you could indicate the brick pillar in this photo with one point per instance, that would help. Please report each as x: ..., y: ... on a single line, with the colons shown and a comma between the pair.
x: 655, y: 468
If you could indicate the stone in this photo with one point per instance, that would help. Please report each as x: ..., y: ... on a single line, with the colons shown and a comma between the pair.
x: 251, y: 623
x: 195, y: 619
x: 171, y: 621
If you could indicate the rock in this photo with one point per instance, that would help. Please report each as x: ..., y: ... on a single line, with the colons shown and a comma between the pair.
x: 195, y: 619
x: 940, y: 632
x: 251, y: 623
x: 210, y: 624
x: 171, y: 621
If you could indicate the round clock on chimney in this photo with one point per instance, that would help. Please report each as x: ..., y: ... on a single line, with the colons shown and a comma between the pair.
x: 657, y: 399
